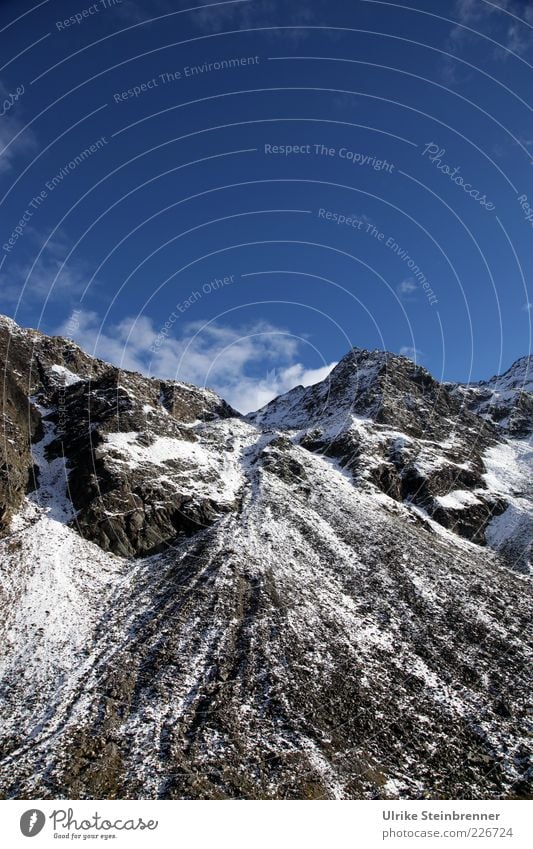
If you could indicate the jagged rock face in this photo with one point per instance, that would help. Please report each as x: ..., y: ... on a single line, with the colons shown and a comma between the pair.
x: 319, y: 618
x: 133, y: 461
x: 127, y: 506
x: 506, y: 400
x: 28, y: 359
x: 130, y: 456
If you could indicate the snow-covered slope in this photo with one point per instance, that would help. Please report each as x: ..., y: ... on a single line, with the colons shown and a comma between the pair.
x: 296, y: 604
x: 509, y: 468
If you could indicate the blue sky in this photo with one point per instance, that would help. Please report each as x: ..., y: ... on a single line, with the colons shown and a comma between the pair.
x: 235, y: 194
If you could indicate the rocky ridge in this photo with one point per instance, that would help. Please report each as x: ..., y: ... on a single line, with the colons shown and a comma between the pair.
x: 505, y: 400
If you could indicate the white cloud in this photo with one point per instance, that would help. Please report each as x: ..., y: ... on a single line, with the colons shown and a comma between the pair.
x: 225, y: 358
x: 412, y: 353
x: 110, y: 344
x: 252, y: 394
x: 528, y: 306
x: 406, y: 287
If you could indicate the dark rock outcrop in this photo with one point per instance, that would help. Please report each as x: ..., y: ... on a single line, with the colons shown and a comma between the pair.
x: 124, y: 510
x: 28, y: 357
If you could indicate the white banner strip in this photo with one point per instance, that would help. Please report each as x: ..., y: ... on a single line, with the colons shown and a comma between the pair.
x: 236, y: 824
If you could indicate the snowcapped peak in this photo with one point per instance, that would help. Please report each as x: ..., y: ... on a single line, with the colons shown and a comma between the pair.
x: 377, y: 385
x: 519, y: 376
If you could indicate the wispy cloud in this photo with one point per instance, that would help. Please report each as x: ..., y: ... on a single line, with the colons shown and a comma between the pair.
x: 252, y: 14
x: 12, y: 144
x: 506, y: 21
x: 413, y: 353
x: 248, y: 366
x: 30, y: 285
x: 406, y: 288
x: 239, y: 15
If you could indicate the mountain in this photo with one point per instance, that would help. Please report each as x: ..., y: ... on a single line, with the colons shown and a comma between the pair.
x: 328, y: 598
x: 395, y: 428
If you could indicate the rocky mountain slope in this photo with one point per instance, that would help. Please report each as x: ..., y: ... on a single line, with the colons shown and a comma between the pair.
x: 506, y: 400
x: 328, y: 598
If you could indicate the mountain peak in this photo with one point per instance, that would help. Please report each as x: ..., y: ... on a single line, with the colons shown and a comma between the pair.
x: 518, y: 376
x: 377, y: 385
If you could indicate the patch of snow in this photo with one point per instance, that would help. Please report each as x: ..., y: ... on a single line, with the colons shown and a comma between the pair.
x: 203, y: 469
x: 67, y: 377
x: 164, y: 448
x: 509, y: 468
x: 509, y: 473
x: 457, y: 499
x: 52, y: 491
